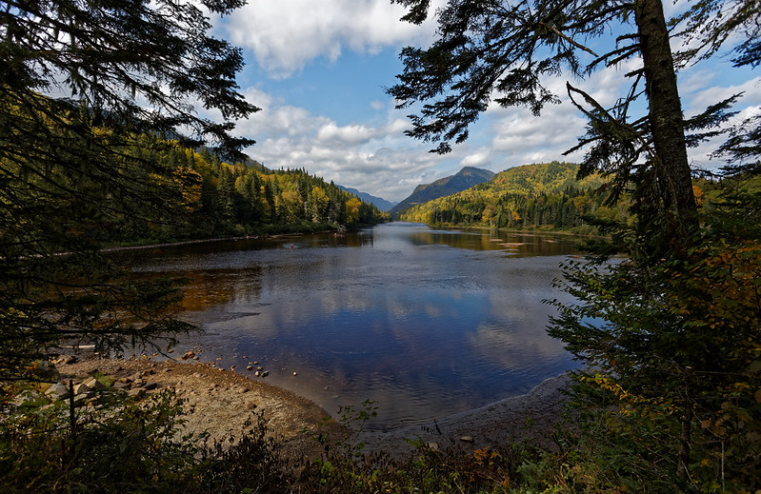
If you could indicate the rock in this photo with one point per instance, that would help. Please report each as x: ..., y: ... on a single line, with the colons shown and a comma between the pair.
x: 94, y: 384
x: 232, y: 367
x: 260, y: 368
x: 255, y: 362
x: 257, y: 373
x: 433, y: 446
x: 295, y: 373
x: 136, y: 393
x: 265, y: 373
x: 171, y: 350
x: 57, y: 390
x: 242, y: 389
x: 250, y: 368
x: 466, y: 439
x: 150, y: 386
x: 81, y: 388
x: 188, y: 355
x: 121, y: 385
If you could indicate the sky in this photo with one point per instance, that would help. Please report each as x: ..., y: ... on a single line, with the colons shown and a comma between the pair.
x: 319, y: 69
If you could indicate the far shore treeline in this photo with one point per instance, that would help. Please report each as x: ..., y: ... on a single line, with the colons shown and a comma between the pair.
x: 550, y: 196
x: 222, y: 199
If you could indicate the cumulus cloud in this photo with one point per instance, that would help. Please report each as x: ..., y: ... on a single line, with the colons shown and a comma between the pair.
x: 376, y: 158
x: 284, y: 35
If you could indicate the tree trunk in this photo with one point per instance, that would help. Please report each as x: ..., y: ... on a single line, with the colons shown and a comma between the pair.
x: 667, y: 125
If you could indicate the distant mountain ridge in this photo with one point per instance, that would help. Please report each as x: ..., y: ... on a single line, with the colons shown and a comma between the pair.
x: 547, y: 195
x: 462, y: 180
x: 378, y: 202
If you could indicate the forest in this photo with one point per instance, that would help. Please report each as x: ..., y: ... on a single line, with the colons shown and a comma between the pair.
x: 550, y: 196
x: 544, y: 195
x: 100, y: 145
x: 221, y: 199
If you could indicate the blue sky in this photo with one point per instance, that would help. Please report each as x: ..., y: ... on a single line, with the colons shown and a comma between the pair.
x: 318, y: 70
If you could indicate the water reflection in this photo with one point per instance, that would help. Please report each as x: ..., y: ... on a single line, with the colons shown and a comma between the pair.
x: 425, y: 322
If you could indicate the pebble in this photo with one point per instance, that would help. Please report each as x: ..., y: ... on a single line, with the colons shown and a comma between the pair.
x: 257, y: 373
x: 295, y: 373
x: 136, y: 393
x: 57, y: 389
x: 466, y: 439
x: 250, y: 368
x: 81, y: 388
x: 94, y: 384
x: 265, y: 373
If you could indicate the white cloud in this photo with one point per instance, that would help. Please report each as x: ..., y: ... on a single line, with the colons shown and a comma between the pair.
x: 477, y: 159
x: 286, y: 34
x: 376, y: 158
x: 349, y: 134
x: 708, y: 96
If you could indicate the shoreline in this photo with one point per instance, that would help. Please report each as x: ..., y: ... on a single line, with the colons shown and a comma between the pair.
x: 531, y: 416
x: 260, y: 236
x: 205, y: 241
x: 220, y: 402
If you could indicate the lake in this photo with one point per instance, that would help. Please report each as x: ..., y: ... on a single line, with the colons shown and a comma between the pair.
x: 423, y: 322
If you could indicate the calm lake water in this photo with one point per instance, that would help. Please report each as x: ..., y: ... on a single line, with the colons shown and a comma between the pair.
x: 424, y: 322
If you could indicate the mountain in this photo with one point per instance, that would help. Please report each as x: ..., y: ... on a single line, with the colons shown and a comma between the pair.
x: 462, y: 180
x: 378, y: 202
x: 539, y: 195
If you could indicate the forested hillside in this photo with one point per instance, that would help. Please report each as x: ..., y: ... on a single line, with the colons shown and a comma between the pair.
x: 234, y: 199
x: 538, y: 195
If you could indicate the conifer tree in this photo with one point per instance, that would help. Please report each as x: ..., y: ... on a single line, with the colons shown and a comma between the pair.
x: 88, y: 91
x: 503, y: 51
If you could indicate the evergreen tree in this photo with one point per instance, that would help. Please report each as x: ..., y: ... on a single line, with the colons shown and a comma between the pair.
x: 502, y: 50
x: 74, y: 167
